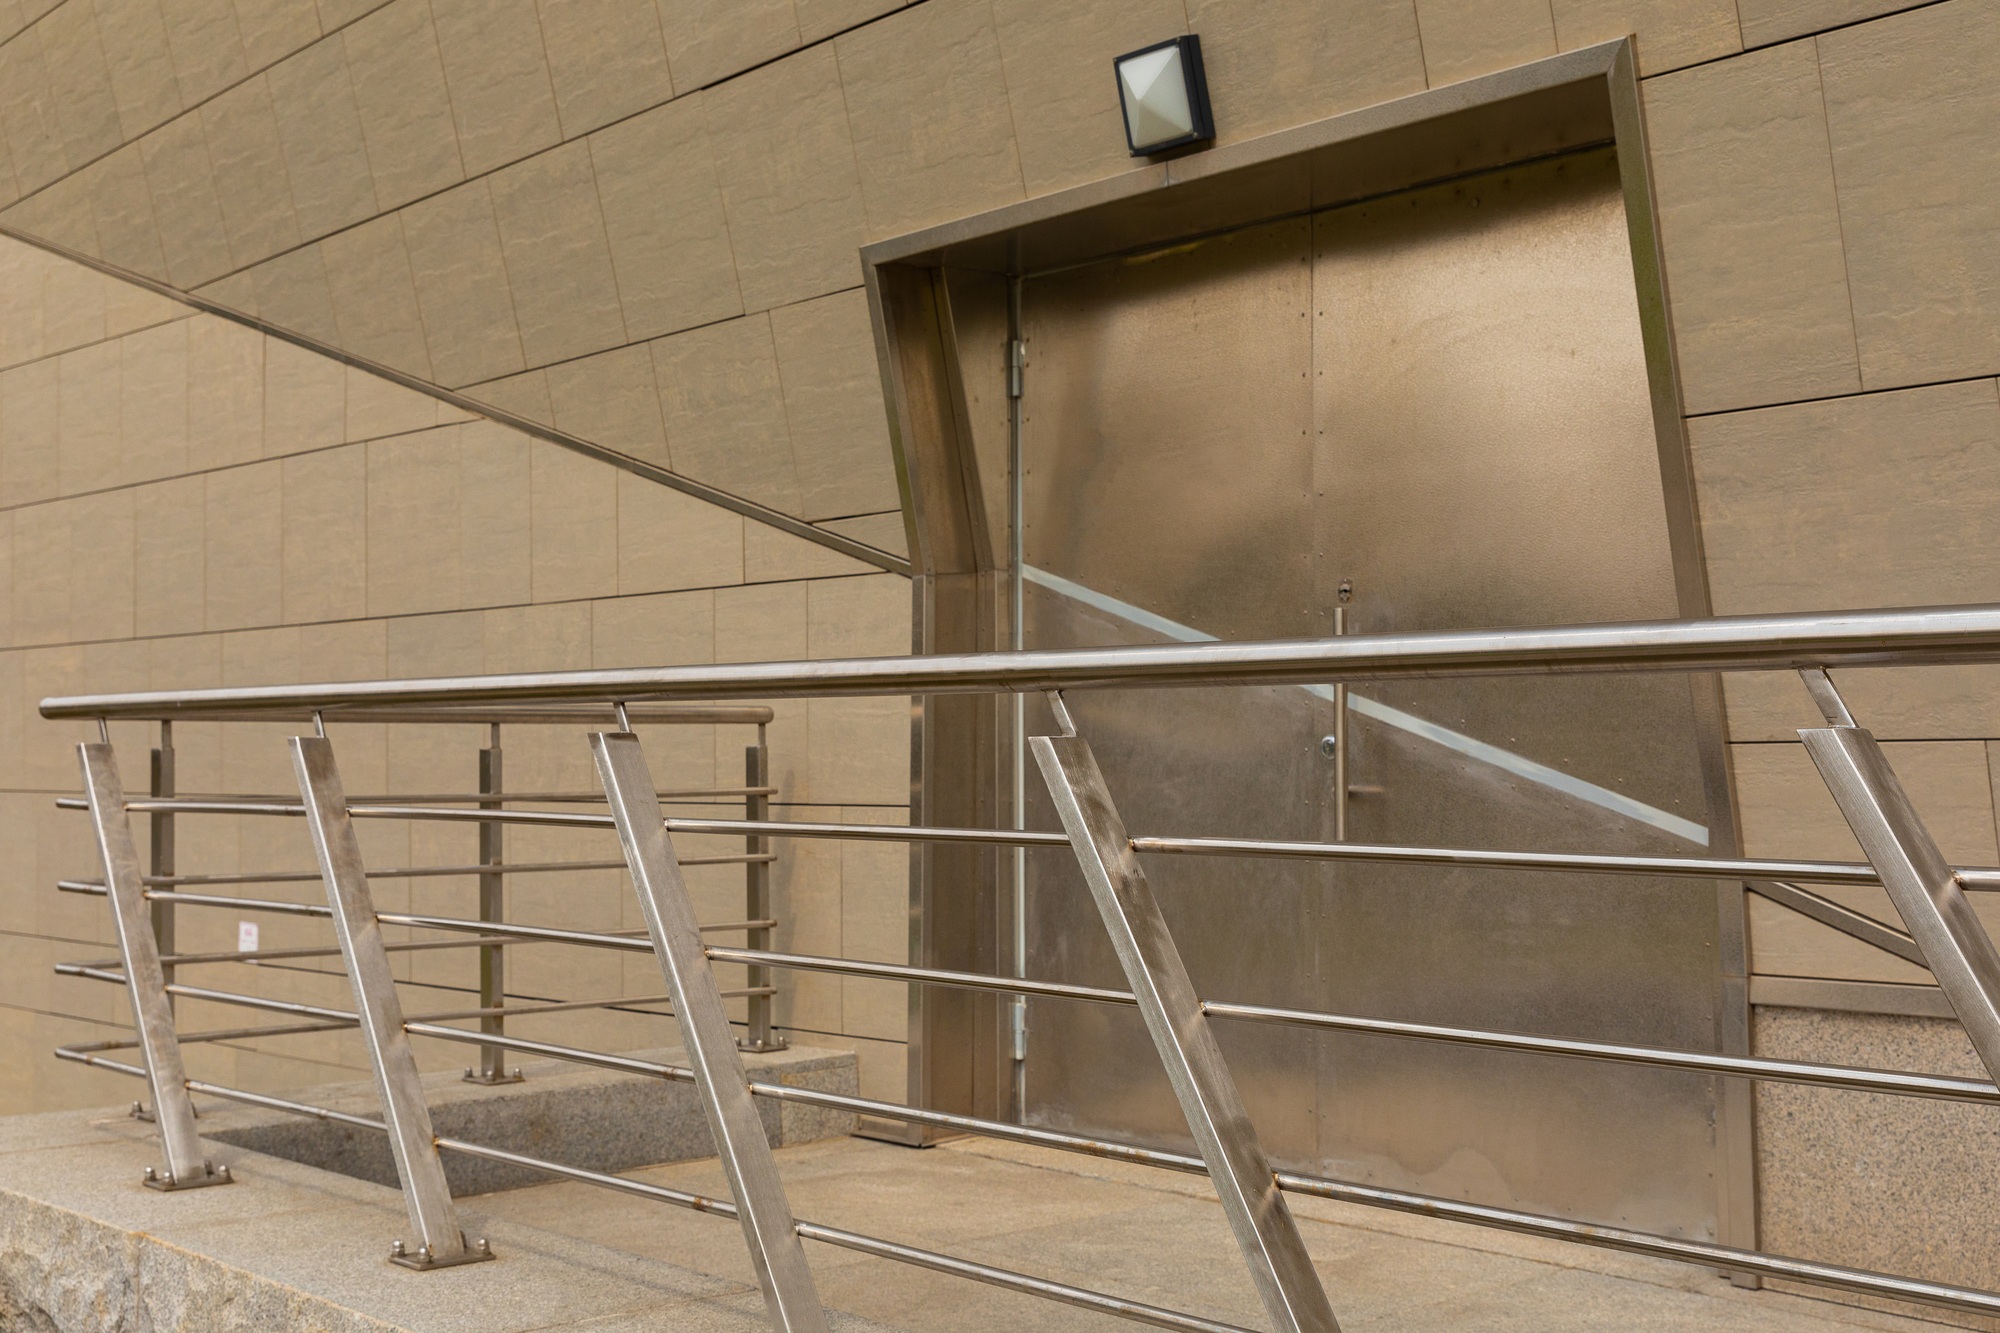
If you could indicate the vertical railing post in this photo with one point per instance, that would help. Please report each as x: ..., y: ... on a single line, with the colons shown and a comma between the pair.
x: 412, y: 1142
x: 1920, y: 882
x: 1257, y: 1212
x: 492, y: 1066
x: 757, y: 895
x: 145, y: 981
x: 161, y: 860
x: 740, y: 1142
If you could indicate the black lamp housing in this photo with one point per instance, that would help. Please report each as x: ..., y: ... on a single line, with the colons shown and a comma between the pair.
x: 1195, y: 81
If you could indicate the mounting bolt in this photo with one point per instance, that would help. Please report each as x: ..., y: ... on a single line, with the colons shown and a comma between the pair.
x: 138, y: 1110
x: 222, y: 1171
x: 152, y: 1173
x: 1329, y: 746
x: 423, y: 1254
x: 468, y: 1071
x: 396, y: 1249
x: 517, y: 1071
x: 482, y: 1246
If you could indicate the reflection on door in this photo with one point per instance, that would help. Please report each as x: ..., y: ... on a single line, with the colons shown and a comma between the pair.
x: 1440, y: 397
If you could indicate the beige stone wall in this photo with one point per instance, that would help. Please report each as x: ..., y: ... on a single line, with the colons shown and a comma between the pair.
x: 1828, y: 204
x: 638, y: 220
x: 187, y: 502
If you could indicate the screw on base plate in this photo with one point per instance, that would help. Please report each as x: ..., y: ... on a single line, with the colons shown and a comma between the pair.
x: 167, y: 1181
x: 486, y: 1080
x: 424, y: 1259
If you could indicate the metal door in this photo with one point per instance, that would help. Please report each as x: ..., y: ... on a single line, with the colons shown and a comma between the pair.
x: 1441, y: 398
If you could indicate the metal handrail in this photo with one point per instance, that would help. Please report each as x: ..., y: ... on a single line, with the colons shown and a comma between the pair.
x: 1727, y: 643
x: 1902, y: 858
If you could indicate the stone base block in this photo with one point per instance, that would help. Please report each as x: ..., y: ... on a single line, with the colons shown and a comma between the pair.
x: 594, y: 1118
x: 86, y: 1248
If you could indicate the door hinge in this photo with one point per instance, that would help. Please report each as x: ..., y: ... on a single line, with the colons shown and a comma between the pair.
x: 1017, y: 362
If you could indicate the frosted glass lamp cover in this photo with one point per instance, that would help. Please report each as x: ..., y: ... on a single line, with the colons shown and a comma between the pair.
x: 1165, y: 96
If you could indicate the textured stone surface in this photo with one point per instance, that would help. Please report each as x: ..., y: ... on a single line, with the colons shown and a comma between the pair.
x: 84, y: 1248
x: 1158, y: 1237
x: 594, y: 1118
x: 1895, y: 1184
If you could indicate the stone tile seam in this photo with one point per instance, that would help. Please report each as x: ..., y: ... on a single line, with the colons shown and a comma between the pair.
x: 311, y: 452
x: 1839, y: 214
x: 192, y: 313
x: 416, y: 615
x: 80, y: 1018
x: 57, y: 939
x: 727, y: 78
x: 561, y: 362
x: 583, y: 136
x: 1815, y: 34
x: 1990, y: 377
x: 699, y: 490
x: 193, y: 109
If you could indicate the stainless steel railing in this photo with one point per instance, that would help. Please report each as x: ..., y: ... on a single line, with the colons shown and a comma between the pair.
x: 166, y: 889
x: 1930, y: 895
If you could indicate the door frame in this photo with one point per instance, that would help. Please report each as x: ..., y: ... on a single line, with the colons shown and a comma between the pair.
x: 942, y: 307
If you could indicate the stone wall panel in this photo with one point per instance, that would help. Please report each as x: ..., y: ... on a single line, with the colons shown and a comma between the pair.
x: 1911, y: 101
x: 1752, y: 230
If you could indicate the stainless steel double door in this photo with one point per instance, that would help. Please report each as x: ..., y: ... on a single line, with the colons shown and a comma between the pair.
x: 1440, y: 399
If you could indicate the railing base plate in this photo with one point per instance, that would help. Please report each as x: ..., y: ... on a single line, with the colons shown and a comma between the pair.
x: 167, y: 1185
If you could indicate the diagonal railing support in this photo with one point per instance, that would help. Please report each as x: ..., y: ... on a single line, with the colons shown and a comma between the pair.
x: 145, y: 981
x: 740, y: 1142
x: 412, y: 1142
x: 1257, y: 1213
x: 1921, y: 883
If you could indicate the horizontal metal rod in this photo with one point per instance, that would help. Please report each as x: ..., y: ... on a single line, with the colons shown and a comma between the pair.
x: 282, y: 809
x: 785, y: 828
x: 81, y: 1055
x: 412, y: 872
x: 469, y: 798
x: 1845, y: 873
x: 600, y: 716
x: 339, y: 1018
x: 256, y: 1002
x: 1704, y: 1253
x: 555, y: 1007
x: 1846, y: 1077
x: 634, y: 943
x: 1137, y: 1312
x: 392, y: 872
x: 1959, y: 634
x: 1852, y: 1078
x: 270, y: 955
x: 1082, y: 1297
x: 560, y: 1006
x: 929, y: 976
x: 1852, y: 873
x: 218, y: 1034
